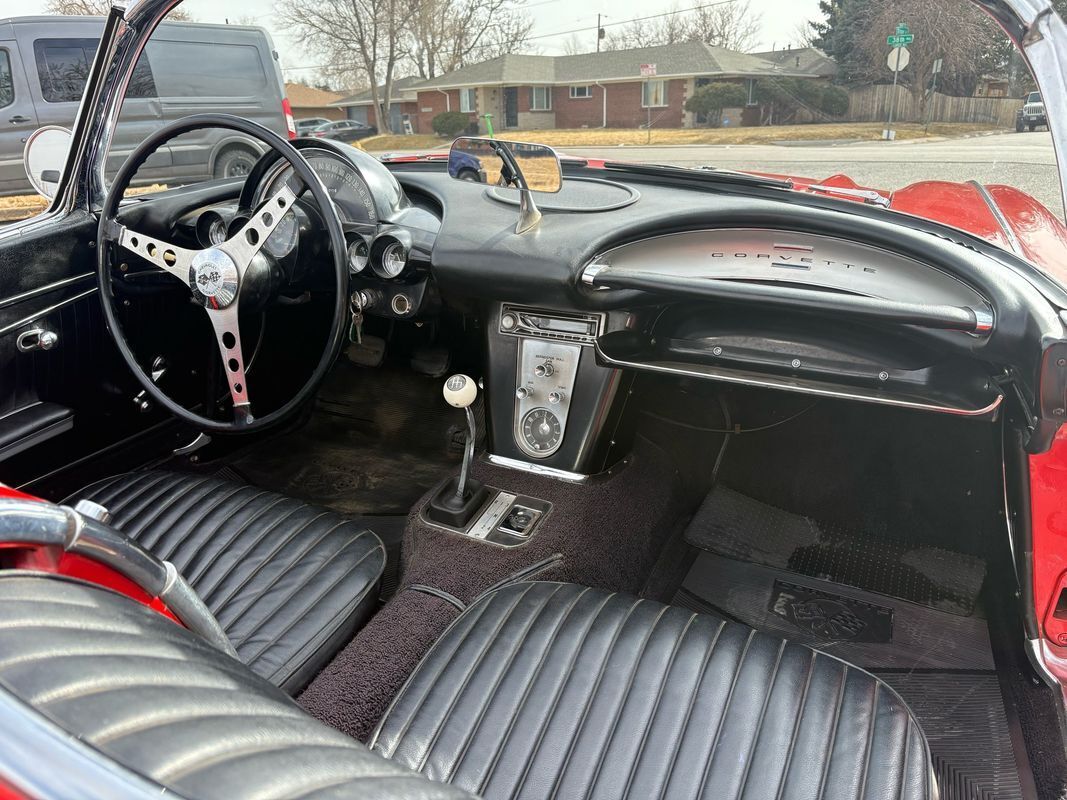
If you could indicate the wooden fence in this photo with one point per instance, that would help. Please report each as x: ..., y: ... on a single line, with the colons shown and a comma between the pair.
x: 871, y: 104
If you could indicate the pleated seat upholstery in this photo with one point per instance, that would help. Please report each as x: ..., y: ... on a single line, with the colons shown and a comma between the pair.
x: 290, y: 583
x: 554, y: 690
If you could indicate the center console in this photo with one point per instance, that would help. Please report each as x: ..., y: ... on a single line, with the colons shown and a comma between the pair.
x: 548, y: 403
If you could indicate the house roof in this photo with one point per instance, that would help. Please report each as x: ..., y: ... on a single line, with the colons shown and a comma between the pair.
x: 809, y: 60
x: 401, y: 93
x: 301, y: 96
x: 674, y: 60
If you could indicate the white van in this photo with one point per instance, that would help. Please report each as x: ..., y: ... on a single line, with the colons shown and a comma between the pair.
x: 187, y: 68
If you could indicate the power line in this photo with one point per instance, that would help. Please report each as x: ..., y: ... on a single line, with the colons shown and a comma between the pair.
x: 564, y: 33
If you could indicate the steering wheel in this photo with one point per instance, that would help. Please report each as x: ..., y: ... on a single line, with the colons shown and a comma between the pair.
x: 215, y: 274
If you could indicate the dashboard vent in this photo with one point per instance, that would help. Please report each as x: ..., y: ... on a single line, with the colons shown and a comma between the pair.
x: 555, y: 325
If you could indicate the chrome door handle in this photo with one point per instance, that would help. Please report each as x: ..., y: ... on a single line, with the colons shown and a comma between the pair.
x: 36, y: 339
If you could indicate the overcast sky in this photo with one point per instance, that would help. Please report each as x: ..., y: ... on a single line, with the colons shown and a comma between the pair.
x: 553, y: 18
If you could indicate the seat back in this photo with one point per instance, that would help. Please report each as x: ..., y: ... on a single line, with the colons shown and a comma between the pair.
x: 105, y: 683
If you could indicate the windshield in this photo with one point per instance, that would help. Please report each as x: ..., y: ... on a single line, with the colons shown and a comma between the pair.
x: 895, y: 98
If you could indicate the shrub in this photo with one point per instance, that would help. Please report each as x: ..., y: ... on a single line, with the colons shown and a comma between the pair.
x: 710, y: 100
x: 450, y: 123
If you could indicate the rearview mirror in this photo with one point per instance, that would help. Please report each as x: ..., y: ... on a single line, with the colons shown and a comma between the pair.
x: 44, y: 157
x: 493, y: 162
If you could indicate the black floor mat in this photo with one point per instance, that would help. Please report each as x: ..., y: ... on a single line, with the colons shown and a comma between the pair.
x: 377, y: 440
x: 889, y: 562
x: 941, y: 663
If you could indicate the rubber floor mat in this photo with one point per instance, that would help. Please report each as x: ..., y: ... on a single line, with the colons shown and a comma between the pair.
x: 737, y: 526
x: 940, y: 663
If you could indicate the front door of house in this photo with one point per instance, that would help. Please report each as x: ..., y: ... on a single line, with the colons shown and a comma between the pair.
x: 511, y: 107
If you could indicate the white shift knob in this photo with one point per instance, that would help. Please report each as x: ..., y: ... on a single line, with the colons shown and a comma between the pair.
x: 460, y: 391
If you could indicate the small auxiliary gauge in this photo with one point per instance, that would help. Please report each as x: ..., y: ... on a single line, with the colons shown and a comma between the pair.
x: 389, y: 254
x: 283, y: 238
x: 358, y: 255
x: 541, y: 430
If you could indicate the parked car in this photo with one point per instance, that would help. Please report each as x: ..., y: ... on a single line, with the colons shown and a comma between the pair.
x: 346, y: 130
x: 308, y: 124
x: 187, y: 68
x: 466, y: 167
x: 1031, y: 114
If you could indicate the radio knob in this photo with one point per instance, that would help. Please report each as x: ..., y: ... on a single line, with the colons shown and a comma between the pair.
x: 543, y: 370
x: 555, y: 397
x: 508, y: 322
x: 522, y: 393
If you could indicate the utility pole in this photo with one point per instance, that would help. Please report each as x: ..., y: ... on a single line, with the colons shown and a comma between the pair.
x: 599, y: 33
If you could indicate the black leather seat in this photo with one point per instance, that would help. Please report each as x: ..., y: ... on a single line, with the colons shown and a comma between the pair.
x: 289, y: 583
x: 553, y: 690
x: 150, y: 705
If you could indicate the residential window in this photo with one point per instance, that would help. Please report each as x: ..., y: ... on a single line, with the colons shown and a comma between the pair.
x: 7, y: 81
x: 540, y: 98
x: 653, y: 94
x: 581, y: 91
x: 468, y: 100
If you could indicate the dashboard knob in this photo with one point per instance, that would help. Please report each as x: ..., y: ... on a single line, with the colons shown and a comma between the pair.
x: 508, y: 322
x: 522, y: 393
x: 460, y: 391
x: 555, y: 397
x: 543, y: 370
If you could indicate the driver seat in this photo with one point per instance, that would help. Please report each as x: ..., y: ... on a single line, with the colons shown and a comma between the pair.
x: 289, y: 583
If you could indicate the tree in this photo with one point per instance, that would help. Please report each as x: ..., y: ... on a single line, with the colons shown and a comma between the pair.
x: 368, y: 37
x: 98, y: 8
x: 447, y: 34
x: 574, y: 45
x: 733, y: 26
x: 709, y: 101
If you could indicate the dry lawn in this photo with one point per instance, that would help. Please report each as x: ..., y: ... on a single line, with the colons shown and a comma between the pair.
x: 26, y: 205
x: 611, y: 137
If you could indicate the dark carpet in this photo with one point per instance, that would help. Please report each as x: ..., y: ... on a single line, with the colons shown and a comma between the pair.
x: 607, y: 533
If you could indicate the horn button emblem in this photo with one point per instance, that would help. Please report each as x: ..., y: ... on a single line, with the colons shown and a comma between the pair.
x: 213, y: 277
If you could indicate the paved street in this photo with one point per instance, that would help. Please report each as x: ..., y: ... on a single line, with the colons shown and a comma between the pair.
x: 1025, y: 160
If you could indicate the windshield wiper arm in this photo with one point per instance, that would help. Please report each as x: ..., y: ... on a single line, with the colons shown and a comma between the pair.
x: 710, y: 174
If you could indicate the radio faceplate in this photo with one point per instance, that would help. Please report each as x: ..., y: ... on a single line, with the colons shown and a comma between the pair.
x: 561, y: 326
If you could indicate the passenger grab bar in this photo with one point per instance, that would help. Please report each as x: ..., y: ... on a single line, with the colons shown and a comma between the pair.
x: 925, y: 315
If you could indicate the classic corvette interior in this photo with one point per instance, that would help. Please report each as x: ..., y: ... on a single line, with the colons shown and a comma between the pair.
x: 699, y: 486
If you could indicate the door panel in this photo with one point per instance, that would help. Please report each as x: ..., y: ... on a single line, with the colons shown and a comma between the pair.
x: 511, y: 107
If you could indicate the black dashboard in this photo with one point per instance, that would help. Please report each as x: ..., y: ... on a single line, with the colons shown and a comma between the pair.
x: 734, y: 283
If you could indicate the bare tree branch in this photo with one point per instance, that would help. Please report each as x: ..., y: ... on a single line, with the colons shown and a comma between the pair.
x: 734, y: 26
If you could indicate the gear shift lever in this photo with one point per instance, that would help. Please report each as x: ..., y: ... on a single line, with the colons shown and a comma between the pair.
x: 460, y: 391
x: 456, y: 502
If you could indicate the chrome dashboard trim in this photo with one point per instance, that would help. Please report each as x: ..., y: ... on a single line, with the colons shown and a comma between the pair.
x: 536, y: 469
x: 707, y: 372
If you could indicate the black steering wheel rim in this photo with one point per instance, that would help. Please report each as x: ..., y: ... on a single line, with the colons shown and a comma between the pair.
x: 242, y: 422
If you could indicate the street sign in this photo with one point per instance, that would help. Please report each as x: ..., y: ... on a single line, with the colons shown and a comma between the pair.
x: 648, y: 70
x: 902, y: 29
x: 900, y: 40
x: 937, y: 66
x: 899, y: 58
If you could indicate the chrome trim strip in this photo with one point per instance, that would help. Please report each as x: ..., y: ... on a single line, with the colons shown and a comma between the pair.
x: 998, y: 215
x: 710, y: 373
x: 14, y: 326
x: 590, y: 272
x: 1035, y: 651
x: 46, y: 289
x: 536, y: 469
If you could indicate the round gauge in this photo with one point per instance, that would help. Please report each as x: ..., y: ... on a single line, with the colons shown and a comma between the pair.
x: 541, y: 430
x: 358, y: 255
x: 216, y: 231
x: 393, y: 260
x: 347, y: 189
x: 282, y: 241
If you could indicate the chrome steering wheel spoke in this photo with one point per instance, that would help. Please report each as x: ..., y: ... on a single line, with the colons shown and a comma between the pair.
x: 228, y: 336
x: 178, y: 261
x: 249, y: 239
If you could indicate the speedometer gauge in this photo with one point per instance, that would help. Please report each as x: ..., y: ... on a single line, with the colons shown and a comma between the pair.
x: 282, y: 241
x: 347, y: 189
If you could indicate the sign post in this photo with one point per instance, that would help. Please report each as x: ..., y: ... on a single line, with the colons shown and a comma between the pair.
x: 648, y: 71
x: 898, y: 60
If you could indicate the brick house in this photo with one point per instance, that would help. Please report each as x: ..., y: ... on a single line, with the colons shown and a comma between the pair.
x: 590, y: 90
x: 402, y: 106
x: 307, y: 101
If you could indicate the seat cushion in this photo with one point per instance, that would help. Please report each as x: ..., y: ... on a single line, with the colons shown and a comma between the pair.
x: 288, y: 582
x: 155, y: 706
x: 554, y: 690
